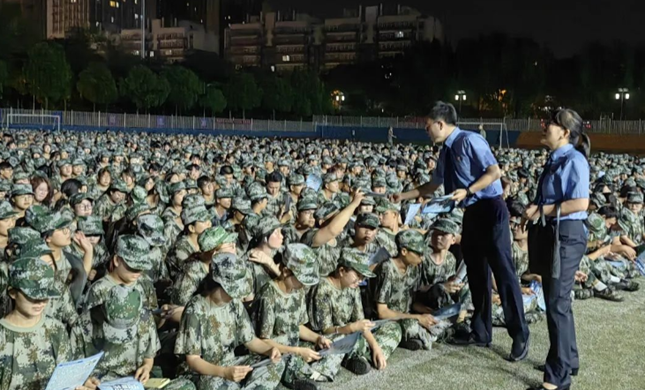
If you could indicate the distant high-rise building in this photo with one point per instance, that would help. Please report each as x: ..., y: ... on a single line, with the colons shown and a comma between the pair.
x: 64, y: 16
x: 115, y: 15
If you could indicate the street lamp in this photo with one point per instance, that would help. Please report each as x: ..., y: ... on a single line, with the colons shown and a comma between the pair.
x: 460, y: 97
x: 622, y: 95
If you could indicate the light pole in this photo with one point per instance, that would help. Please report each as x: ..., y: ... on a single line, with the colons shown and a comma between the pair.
x: 143, y: 29
x: 460, y: 97
x: 622, y: 95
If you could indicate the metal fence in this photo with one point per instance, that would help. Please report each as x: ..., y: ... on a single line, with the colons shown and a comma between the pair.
x: 101, y: 119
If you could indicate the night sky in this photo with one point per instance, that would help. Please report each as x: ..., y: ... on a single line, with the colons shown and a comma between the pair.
x: 563, y: 25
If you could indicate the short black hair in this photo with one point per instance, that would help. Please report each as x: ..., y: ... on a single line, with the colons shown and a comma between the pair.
x: 274, y: 177
x: 203, y: 180
x: 5, y: 165
x: 608, y: 212
x: 445, y: 112
x: 226, y: 170
x: 516, y: 208
x: 154, y: 167
x: 190, y: 167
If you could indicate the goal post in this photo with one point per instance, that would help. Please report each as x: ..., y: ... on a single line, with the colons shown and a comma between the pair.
x: 45, y: 121
x: 500, y: 127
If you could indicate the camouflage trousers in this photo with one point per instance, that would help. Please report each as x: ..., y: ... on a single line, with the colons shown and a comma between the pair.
x: 180, y: 384
x: 412, y: 330
x: 604, y: 270
x: 297, y: 368
x: 261, y: 378
x: 497, y: 311
x: 387, y: 336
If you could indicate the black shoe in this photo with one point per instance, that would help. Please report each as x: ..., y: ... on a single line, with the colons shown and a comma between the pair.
x: 542, y: 367
x: 608, y: 294
x: 305, y: 384
x: 519, y: 350
x: 627, y: 285
x: 583, y: 294
x: 357, y: 365
x: 541, y: 387
x: 412, y: 345
x: 466, y: 341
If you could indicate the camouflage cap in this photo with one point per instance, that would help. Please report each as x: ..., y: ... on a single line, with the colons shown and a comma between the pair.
x: 242, y: 205
x: 329, y: 178
x: 34, y: 278
x: 446, y: 226
x: 368, y: 201
x: 119, y: 185
x: 17, y: 176
x: 257, y: 193
x: 295, y: 179
x: 385, y: 205
x: 265, y: 227
x: 62, y: 163
x: 35, y: 248
x: 224, y: 193
x: 150, y: 227
x: 231, y: 274
x: 5, y: 186
x: 356, y: 260
x: 139, y: 194
x: 191, y: 184
x: 596, y: 223
x: 307, y: 203
x: 78, y: 162
x: 47, y: 222
x: 22, y: 235
x: 6, y: 210
x: 193, y: 200
x: 21, y: 189
x: 123, y: 307
x: 302, y: 261
x: 598, y: 199
x: 195, y: 214
x: 640, y: 182
x: 411, y: 240
x: 176, y: 187
x: 368, y: 220
x: 635, y: 198
x: 212, y: 238
x: 326, y: 210
x: 90, y: 225
x: 33, y: 211
x: 134, y: 250
x: 78, y: 198
x: 137, y: 209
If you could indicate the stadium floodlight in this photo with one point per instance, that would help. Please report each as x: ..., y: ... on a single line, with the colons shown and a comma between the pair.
x: 622, y: 95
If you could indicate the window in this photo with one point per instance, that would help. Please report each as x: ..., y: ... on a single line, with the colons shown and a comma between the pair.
x: 286, y: 58
x: 399, y: 34
x: 168, y: 52
x: 136, y: 16
x: 113, y: 4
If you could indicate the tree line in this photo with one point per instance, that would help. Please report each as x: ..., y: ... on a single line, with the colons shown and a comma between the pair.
x: 500, y: 76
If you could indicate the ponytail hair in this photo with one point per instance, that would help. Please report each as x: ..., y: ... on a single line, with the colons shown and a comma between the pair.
x: 570, y: 120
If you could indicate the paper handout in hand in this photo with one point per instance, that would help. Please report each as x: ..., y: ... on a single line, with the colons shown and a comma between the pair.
x: 69, y: 375
x: 314, y: 182
x: 462, y: 273
x: 413, y: 210
x: 380, y: 256
x: 447, y: 312
x: 342, y: 346
x: 128, y: 383
x: 440, y: 205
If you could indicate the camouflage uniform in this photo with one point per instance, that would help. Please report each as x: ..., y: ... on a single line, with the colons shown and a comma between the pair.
x: 332, y: 307
x: 396, y: 290
x: 106, y: 209
x: 150, y: 228
x: 328, y: 254
x: 214, y: 332
x: 385, y: 238
x: 171, y: 229
x: 278, y: 316
x: 29, y: 356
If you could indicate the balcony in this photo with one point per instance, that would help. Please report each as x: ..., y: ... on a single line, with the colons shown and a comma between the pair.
x: 244, y: 50
x: 290, y: 40
x: 394, y: 46
x: 342, y: 27
x: 340, y: 57
x: 245, y: 59
x: 291, y: 58
x: 245, y: 41
x: 290, y: 49
x: 394, y: 35
x: 406, y: 26
x: 340, y: 47
x: 172, y: 44
x: 348, y: 36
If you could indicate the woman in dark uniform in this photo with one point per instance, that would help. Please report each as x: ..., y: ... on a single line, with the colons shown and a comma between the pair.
x: 558, y: 238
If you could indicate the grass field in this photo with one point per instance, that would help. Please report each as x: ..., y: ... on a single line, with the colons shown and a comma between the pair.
x: 610, y: 339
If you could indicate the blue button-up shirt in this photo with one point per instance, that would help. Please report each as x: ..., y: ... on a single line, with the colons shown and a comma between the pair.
x: 471, y: 156
x: 567, y: 178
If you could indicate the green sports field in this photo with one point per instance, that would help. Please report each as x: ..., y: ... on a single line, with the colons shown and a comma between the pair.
x: 611, y: 339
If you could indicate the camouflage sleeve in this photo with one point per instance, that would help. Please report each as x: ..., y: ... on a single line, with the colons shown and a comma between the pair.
x: 302, y: 304
x: 320, y: 308
x: 383, y: 289
x: 190, y: 334
x: 59, y: 338
x: 244, y: 328
x: 187, y: 284
x: 357, y: 313
x: 265, y: 318
x: 154, y: 345
x: 150, y: 294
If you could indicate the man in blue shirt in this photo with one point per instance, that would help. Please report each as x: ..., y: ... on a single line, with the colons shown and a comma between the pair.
x: 469, y: 171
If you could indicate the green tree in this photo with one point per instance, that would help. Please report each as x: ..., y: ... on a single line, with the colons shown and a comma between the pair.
x: 185, y: 87
x: 4, y: 76
x: 243, y: 93
x: 310, y: 97
x: 97, y: 85
x: 213, y: 100
x: 277, y: 94
x: 47, y: 73
x: 144, y: 88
